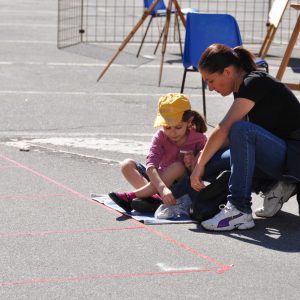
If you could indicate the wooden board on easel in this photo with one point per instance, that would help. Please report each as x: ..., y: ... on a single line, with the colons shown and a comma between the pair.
x: 275, y: 16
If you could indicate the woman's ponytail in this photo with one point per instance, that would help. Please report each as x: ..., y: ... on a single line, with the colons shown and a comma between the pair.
x: 217, y: 57
x: 246, y: 59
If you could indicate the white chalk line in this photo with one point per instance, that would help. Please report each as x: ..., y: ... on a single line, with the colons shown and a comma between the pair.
x: 97, y: 65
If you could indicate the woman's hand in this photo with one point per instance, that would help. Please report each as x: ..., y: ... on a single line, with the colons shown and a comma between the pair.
x: 167, y: 196
x: 196, y: 181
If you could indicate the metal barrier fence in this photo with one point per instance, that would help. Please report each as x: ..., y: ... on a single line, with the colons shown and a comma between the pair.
x: 110, y: 21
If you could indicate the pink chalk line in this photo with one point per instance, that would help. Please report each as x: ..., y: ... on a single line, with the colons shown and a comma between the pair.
x: 36, y: 196
x: 55, y: 280
x: 221, y: 267
x: 8, y: 167
x: 20, y: 234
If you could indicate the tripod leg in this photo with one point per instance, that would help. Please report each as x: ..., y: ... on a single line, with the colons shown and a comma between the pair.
x: 142, y: 42
x: 158, y: 42
x: 164, y: 46
x: 181, y: 16
x: 130, y: 35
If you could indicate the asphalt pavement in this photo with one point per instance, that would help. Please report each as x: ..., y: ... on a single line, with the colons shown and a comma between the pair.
x: 62, y: 136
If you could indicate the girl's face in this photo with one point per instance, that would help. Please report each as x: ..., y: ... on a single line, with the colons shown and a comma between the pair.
x: 223, y: 83
x: 177, y: 133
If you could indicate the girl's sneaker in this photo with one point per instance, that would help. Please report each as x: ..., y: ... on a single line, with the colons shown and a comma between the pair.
x: 122, y: 200
x: 146, y: 205
x: 229, y: 218
x: 172, y: 212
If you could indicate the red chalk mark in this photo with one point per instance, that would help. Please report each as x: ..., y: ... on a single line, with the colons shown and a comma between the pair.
x: 46, y: 178
x: 221, y: 267
x: 37, y: 196
x: 8, y: 167
x: 56, y: 280
x: 62, y: 186
x: 195, y: 252
x: 20, y: 234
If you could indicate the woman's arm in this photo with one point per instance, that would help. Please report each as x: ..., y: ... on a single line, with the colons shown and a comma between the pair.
x: 219, y: 138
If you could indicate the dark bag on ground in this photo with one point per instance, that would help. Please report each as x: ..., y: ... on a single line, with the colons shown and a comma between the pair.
x: 292, y: 165
x: 205, y: 204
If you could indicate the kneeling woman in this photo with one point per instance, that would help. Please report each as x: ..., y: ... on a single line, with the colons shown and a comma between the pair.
x: 264, y: 116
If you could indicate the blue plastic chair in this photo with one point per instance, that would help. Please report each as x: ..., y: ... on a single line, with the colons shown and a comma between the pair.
x: 159, y: 8
x: 202, y: 30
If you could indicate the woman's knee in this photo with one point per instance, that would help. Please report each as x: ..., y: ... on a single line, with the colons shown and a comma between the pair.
x: 238, y: 129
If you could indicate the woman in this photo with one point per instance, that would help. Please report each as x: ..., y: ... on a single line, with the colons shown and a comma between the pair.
x: 264, y: 115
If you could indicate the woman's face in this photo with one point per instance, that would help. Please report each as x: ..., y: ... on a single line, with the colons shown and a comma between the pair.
x: 223, y: 83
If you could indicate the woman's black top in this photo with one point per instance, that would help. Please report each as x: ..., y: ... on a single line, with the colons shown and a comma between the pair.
x: 276, y: 108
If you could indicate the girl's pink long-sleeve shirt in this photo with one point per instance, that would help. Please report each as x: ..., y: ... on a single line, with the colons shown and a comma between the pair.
x: 163, y: 152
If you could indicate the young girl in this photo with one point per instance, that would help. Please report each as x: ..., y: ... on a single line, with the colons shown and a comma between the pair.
x: 173, y: 148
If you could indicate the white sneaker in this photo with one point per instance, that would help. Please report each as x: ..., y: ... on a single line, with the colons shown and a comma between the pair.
x: 275, y: 198
x: 229, y: 218
x: 181, y: 209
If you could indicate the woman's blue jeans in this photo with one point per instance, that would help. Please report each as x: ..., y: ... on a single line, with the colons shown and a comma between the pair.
x: 254, y: 153
x: 255, y: 157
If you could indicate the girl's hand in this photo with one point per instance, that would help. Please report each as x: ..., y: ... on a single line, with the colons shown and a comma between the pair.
x: 167, y: 197
x: 196, y: 181
x: 188, y: 159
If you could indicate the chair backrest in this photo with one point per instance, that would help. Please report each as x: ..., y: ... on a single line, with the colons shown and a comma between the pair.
x: 160, y: 6
x: 202, y: 30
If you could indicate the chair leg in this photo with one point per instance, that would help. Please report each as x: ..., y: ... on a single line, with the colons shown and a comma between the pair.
x: 267, y: 68
x: 203, y: 97
x: 142, y: 42
x: 183, y: 81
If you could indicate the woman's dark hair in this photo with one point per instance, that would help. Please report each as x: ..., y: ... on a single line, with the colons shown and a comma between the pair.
x: 198, y: 121
x: 217, y: 57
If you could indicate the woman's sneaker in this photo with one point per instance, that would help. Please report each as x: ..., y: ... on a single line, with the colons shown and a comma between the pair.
x: 229, y: 218
x: 275, y: 198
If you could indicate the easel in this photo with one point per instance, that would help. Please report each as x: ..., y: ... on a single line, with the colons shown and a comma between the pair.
x: 137, y: 26
x: 289, y: 50
x: 275, y: 16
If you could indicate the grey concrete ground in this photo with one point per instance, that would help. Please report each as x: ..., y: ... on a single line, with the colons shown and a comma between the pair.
x: 55, y: 243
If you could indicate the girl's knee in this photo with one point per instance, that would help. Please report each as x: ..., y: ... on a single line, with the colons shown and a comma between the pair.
x: 173, y: 172
x: 178, y: 167
x: 127, y: 164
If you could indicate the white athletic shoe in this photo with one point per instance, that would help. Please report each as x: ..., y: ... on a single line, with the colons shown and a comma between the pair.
x: 229, y: 218
x: 275, y: 198
x: 180, y: 210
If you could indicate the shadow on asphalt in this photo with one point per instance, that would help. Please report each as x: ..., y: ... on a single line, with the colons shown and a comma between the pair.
x: 294, y: 64
x: 280, y: 233
x: 106, y: 52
